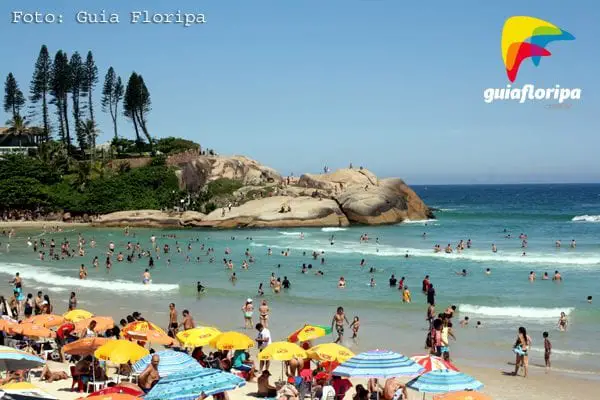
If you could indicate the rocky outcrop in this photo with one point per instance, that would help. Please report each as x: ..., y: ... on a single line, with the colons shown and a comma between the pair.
x: 267, y: 212
x: 150, y: 218
x: 196, y: 173
x: 339, y: 180
x: 390, y: 201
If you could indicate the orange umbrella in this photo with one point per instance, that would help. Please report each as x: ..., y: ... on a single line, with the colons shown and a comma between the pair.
x: 7, y: 326
x: 146, y: 331
x: 463, y: 395
x: 85, y: 346
x: 102, y: 324
x: 45, y: 320
x: 32, y: 330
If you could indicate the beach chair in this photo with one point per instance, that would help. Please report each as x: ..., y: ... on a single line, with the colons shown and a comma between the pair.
x: 95, y: 385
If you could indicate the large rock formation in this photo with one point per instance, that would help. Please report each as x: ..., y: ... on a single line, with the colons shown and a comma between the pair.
x: 267, y: 212
x: 194, y: 174
x: 366, y: 199
x: 150, y: 218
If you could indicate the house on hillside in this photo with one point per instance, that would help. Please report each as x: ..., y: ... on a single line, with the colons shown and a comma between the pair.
x: 10, y: 143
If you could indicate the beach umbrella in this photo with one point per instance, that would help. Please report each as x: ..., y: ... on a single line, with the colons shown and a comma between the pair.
x: 463, y: 395
x: 378, y: 364
x: 170, y: 362
x: 118, y: 389
x: 330, y: 352
x: 433, y: 363
x: 443, y: 381
x: 12, y: 359
x: 196, y: 337
x: 190, y: 385
x: 85, y: 346
x: 309, y: 332
x: 7, y: 325
x: 25, y: 390
x: 77, y: 315
x: 281, y: 351
x: 112, y: 396
x: 46, y: 320
x: 146, y: 331
x: 120, y: 351
x: 232, y: 341
x: 102, y: 324
x: 31, y: 330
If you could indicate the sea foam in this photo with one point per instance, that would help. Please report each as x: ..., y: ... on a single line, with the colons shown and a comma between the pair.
x: 47, y: 277
x: 333, y: 229
x: 521, y: 312
x: 586, y: 218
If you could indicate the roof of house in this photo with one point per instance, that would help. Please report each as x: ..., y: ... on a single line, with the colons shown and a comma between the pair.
x: 3, y: 129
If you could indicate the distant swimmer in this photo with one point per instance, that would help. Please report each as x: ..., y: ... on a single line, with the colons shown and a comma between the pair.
x: 406, y: 255
x: 488, y: 271
x: 469, y: 244
x: 589, y: 299
x: 557, y: 244
x: 341, y: 283
x: 362, y: 262
x: 573, y: 244
x: 545, y: 277
x: 531, y: 276
x: 372, y: 282
x: 448, y: 249
x: 372, y: 270
x: 393, y: 281
x: 406, y: 295
x: 199, y: 287
x: 557, y: 276
x: 146, y: 278
x: 563, y: 322
x: 462, y: 273
x: 524, y: 254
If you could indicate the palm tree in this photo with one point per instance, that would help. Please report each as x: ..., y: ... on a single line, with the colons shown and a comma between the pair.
x: 90, y: 130
x: 17, y: 127
x: 55, y: 155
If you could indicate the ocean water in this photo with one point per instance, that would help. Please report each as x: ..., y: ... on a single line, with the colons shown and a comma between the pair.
x: 502, y: 301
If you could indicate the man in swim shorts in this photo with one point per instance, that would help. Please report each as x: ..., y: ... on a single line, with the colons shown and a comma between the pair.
x: 173, y: 325
x: 338, y: 320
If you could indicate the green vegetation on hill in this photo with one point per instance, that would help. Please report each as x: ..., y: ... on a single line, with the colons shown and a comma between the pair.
x: 27, y: 184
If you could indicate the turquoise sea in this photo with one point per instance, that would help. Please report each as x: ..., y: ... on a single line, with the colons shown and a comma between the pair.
x: 502, y: 301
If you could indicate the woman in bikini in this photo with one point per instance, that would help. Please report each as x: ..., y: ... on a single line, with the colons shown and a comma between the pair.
x: 520, y: 349
x: 562, y: 322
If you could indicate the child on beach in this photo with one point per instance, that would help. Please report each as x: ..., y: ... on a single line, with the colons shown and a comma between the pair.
x: 355, y: 325
x: 406, y: 295
x: 547, y: 350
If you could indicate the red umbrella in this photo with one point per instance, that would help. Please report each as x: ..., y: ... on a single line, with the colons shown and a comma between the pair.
x: 433, y: 363
x: 117, y: 389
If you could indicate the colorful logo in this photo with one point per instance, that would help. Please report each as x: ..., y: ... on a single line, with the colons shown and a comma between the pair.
x: 527, y: 37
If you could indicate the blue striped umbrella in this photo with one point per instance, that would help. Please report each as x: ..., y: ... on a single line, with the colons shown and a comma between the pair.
x: 170, y: 362
x: 378, y: 364
x: 443, y: 381
x: 190, y: 385
x: 12, y: 359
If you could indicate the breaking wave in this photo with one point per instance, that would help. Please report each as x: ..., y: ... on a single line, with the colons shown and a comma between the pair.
x: 586, y: 218
x: 521, y: 312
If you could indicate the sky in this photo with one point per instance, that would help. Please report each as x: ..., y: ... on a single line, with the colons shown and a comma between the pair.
x: 394, y: 86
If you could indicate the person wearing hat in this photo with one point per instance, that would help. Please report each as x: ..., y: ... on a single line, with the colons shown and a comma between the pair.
x: 248, y: 310
x: 264, y: 387
x: 323, y: 390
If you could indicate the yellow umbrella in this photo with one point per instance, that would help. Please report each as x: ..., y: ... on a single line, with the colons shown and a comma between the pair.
x: 281, y: 351
x: 330, y: 352
x: 18, y: 386
x: 232, y: 341
x: 77, y: 315
x: 120, y: 352
x: 196, y: 337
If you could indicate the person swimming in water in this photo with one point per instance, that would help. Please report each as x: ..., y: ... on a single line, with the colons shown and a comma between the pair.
x: 341, y: 283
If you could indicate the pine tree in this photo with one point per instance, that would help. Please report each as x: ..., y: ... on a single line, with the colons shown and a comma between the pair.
x: 112, y: 93
x: 89, y: 82
x: 77, y: 72
x: 60, y: 86
x: 144, y: 107
x: 40, y: 86
x: 13, y: 97
x: 130, y: 104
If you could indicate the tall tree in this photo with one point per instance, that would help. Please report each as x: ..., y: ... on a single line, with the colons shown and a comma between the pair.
x: 78, y: 72
x: 112, y: 93
x: 40, y: 86
x: 60, y: 86
x: 131, y: 102
x: 13, y: 97
x: 89, y: 82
